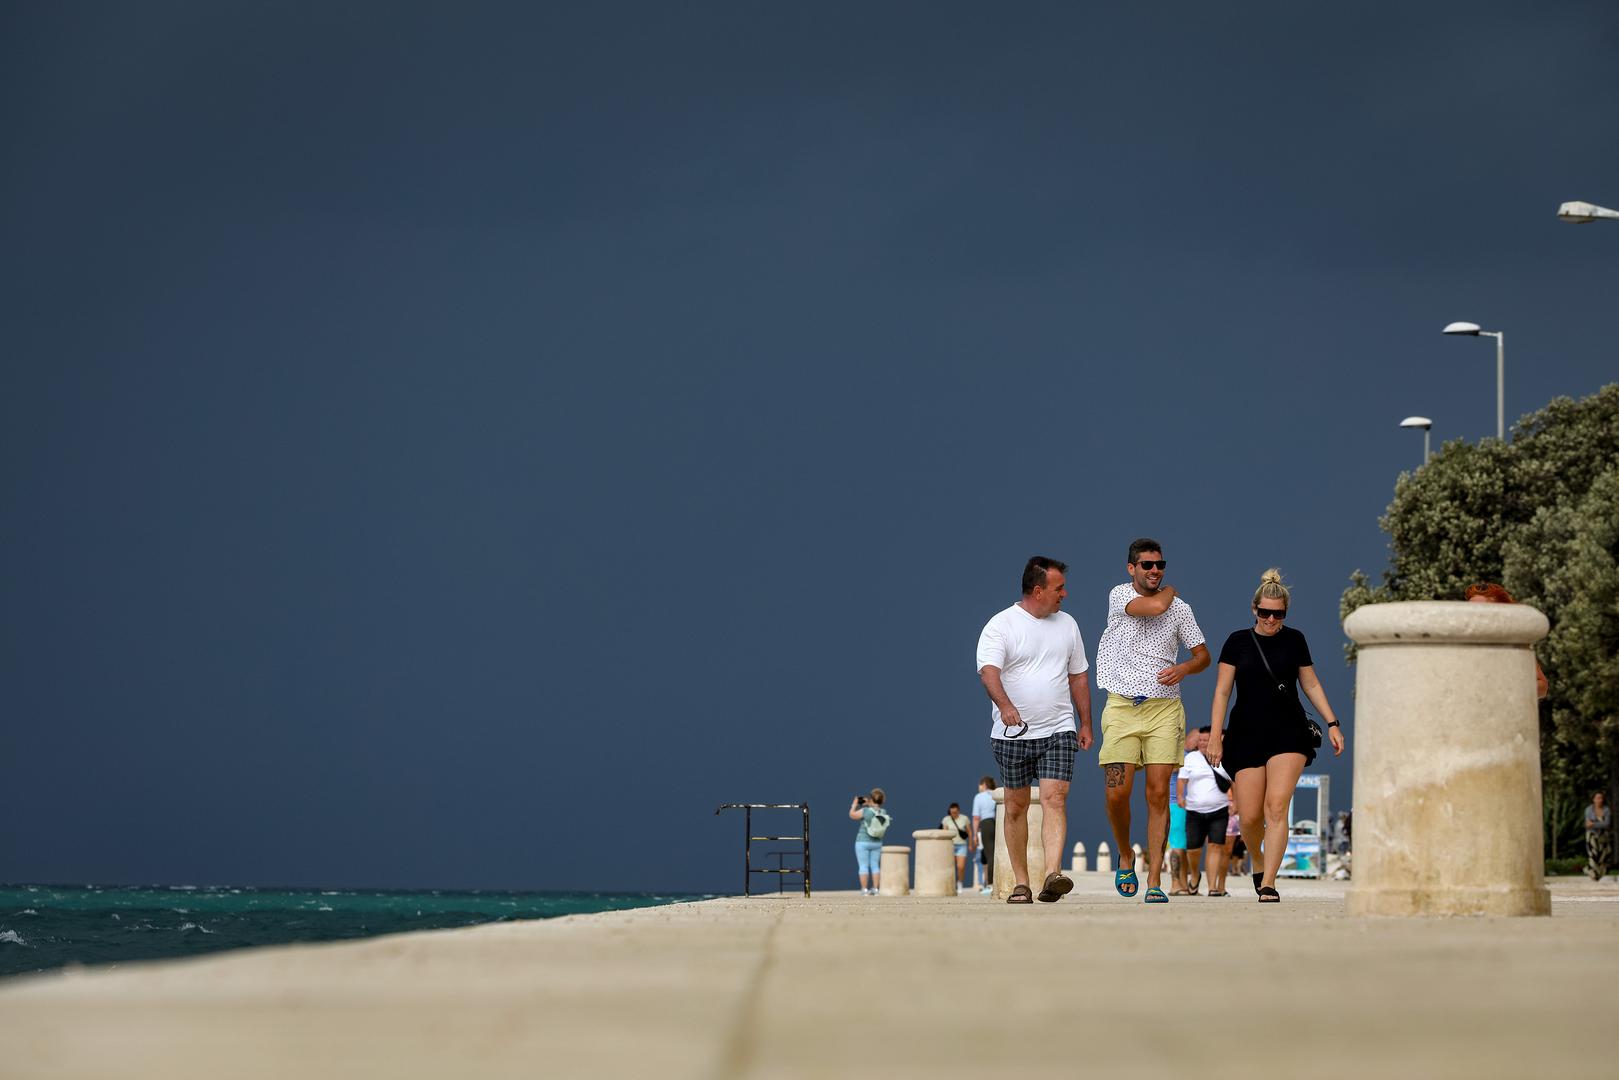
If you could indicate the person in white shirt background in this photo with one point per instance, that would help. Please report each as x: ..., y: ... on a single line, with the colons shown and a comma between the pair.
x: 1208, y: 814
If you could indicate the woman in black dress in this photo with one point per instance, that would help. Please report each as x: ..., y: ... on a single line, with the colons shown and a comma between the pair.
x: 1268, y: 744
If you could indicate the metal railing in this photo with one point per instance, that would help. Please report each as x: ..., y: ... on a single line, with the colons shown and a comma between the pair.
x: 747, y: 849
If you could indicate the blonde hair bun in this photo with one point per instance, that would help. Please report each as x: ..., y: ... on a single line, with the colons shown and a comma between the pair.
x: 1271, y: 588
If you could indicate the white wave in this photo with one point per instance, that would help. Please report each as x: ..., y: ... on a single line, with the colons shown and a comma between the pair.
x: 13, y: 937
x: 323, y: 907
x: 27, y: 911
x: 117, y: 917
x: 193, y: 926
x: 181, y: 911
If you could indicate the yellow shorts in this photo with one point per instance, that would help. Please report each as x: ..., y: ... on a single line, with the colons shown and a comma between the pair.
x: 1152, y: 733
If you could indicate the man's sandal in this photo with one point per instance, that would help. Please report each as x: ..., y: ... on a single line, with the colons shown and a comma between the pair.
x: 1125, y: 882
x: 1268, y: 895
x: 1179, y: 892
x: 1218, y: 892
x: 1021, y: 894
x: 1155, y: 895
x: 1055, y: 888
x: 1191, y: 889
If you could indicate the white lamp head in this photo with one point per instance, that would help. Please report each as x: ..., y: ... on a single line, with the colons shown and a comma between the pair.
x: 1417, y: 422
x: 1462, y: 328
x: 1581, y: 213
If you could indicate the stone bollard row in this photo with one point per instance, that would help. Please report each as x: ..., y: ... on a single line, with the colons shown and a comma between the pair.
x: 1104, y: 858
x: 1078, y: 864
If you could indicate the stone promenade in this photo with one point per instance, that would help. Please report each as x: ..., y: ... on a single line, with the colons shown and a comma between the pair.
x: 845, y: 986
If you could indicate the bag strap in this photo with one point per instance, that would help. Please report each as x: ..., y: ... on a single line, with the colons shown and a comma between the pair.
x: 1280, y: 686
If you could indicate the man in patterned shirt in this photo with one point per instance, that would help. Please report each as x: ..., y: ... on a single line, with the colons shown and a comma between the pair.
x: 1143, y: 723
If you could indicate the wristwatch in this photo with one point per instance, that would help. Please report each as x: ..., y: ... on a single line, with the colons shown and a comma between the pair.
x: 1332, y: 723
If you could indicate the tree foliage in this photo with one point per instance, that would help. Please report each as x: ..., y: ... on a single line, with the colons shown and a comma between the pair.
x: 1540, y: 515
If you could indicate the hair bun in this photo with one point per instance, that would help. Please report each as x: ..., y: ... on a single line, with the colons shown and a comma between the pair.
x: 1272, y: 576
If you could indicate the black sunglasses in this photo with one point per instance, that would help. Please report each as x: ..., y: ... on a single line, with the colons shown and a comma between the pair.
x: 1271, y: 612
x: 1149, y: 564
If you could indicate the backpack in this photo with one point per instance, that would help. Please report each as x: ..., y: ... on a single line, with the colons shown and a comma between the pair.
x: 878, y: 824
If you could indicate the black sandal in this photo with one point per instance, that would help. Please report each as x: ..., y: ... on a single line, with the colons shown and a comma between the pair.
x: 1257, y: 879
x: 1021, y: 894
x: 1193, y: 887
x: 1268, y: 895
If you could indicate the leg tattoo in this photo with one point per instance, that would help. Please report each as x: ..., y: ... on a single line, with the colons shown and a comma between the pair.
x: 1115, y: 774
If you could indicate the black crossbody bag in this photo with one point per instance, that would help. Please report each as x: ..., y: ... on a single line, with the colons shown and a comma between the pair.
x: 1293, y: 699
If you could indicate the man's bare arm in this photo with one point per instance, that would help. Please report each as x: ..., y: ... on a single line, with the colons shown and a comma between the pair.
x: 997, y: 693
x: 1150, y: 607
x: 1195, y: 663
x: 1079, y: 688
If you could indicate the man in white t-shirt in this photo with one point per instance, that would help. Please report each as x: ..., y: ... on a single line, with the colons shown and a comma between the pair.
x: 1031, y: 659
x: 1208, y: 812
x: 1143, y: 722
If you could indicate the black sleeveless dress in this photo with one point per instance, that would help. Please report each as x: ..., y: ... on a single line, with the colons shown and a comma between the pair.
x: 1262, y: 723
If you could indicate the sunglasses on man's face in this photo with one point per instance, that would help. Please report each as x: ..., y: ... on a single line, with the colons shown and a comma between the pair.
x: 1149, y: 564
x: 1271, y: 612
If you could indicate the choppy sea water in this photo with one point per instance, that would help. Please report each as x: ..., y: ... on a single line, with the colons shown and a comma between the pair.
x: 46, y: 926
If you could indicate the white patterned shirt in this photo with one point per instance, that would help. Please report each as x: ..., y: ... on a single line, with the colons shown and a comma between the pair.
x: 1133, y: 649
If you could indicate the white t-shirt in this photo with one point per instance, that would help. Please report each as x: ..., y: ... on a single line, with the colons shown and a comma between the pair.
x: 1202, y: 793
x: 984, y: 805
x: 1035, y: 657
x: 1133, y: 649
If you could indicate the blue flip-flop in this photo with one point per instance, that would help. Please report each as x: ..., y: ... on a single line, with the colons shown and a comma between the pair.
x: 1121, y: 878
x: 1155, y: 895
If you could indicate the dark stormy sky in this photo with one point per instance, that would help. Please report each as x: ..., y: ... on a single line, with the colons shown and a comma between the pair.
x: 460, y: 445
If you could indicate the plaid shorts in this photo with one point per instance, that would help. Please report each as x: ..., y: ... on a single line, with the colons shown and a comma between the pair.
x: 1024, y: 760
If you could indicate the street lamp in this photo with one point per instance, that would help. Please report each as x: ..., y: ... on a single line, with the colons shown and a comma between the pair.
x: 1425, y: 424
x: 1471, y: 330
x: 1583, y: 213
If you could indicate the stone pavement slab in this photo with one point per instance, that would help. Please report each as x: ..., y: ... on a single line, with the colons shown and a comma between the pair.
x: 842, y: 985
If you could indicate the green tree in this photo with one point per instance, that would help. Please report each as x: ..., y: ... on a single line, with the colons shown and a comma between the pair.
x: 1540, y: 515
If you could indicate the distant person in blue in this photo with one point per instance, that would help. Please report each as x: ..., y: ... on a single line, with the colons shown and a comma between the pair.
x: 1269, y: 742
x: 1179, y: 866
x: 868, y: 838
x: 984, y: 832
x: 1032, y: 663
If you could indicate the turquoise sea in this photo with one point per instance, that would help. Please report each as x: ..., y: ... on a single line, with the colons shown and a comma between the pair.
x: 50, y: 926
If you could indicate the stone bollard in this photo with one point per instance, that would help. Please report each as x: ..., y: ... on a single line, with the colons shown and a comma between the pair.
x: 1036, y: 852
x: 935, y: 862
x: 896, y: 871
x: 1078, y: 866
x: 1447, y: 760
x: 1140, y: 863
x: 1104, y: 858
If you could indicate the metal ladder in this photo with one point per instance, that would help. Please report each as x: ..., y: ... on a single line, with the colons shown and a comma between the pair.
x: 747, y: 849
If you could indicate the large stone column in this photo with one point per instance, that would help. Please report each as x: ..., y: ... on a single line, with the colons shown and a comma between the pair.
x: 935, y: 862
x: 1004, y: 881
x: 895, y: 869
x: 1447, y: 760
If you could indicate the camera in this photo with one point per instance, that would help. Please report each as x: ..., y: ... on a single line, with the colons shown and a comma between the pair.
x: 860, y: 800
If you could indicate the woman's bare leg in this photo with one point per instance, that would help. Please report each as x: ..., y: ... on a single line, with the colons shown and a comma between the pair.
x: 1281, y: 778
x: 1248, y: 788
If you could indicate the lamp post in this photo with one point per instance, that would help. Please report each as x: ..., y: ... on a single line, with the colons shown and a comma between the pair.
x: 1583, y: 213
x: 1468, y: 329
x: 1425, y: 424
